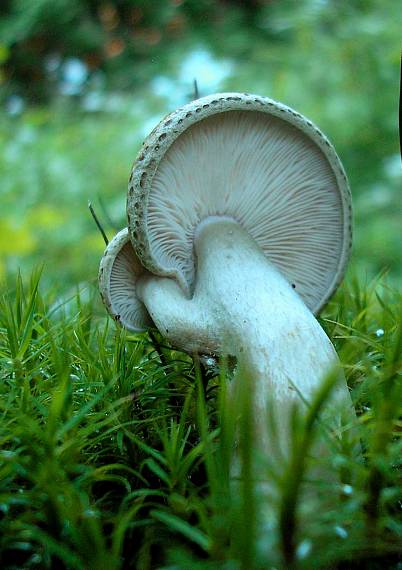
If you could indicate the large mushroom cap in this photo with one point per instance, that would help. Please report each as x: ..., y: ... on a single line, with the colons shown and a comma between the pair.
x: 118, y: 274
x: 258, y: 162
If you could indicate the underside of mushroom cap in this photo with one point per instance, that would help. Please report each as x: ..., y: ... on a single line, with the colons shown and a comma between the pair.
x: 118, y: 274
x: 254, y: 160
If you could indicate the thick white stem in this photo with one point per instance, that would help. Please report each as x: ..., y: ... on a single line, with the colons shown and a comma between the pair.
x: 243, y: 306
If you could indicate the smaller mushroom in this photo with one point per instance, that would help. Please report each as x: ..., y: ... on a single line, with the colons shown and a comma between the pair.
x: 119, y: 272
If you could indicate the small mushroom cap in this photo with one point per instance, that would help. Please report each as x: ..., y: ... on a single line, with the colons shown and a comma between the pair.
x: 118, y: 274
x: 257, y: 161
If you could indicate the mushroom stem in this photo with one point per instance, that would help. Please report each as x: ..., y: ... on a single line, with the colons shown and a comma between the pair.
x: 244, y: 307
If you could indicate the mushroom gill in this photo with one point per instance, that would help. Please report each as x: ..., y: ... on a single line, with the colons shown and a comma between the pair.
x: 266, y: 174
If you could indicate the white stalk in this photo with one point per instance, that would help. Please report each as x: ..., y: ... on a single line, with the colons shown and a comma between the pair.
x: 243, y: 306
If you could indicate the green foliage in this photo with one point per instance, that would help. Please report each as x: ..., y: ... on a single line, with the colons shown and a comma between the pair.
x: 49, y: 222
x: 107, y: 36
x: 116, y: 451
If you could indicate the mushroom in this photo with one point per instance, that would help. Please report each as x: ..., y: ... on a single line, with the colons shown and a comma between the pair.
x: 240, y: 211
x: 119, y: 272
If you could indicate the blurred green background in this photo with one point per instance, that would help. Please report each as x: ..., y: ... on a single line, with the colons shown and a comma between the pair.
x: 82, y: 82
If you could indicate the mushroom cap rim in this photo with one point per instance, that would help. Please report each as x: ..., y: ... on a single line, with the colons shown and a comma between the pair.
x: 105, y: 267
